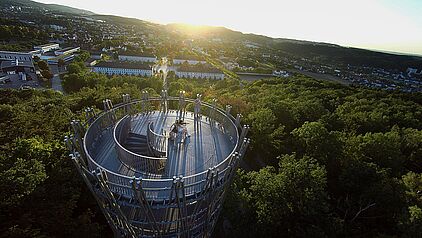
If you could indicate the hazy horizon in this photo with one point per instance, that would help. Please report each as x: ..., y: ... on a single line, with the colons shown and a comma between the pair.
x: 381, y: 25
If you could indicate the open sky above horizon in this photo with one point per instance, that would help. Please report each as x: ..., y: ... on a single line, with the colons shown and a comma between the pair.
x: 388, y: 25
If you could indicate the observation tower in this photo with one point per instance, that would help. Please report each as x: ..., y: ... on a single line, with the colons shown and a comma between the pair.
x: 159, y: 166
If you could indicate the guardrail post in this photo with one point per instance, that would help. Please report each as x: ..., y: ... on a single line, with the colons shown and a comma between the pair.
x: 228, y: 109
x: 69, y: 144
x: 79, y: 132
x: 89, y: 115
x: 181, y: 202
x: 238, y: 119
x: 126, y: 100
x: 145, y: 98
x: 245, y: 131
x: 164, y: 97
x: 182, y: 105
x: 108, y: 106
x: 213, y: 109
x: 243, y: 147
x: 197, y: 108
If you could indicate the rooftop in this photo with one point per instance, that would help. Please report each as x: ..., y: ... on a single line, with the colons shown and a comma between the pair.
x: 45, y: 45
x: 13, y: 52
x: 203, y: 68
x: 66, y: 49
x: 123, y: 65
x: 137, y: 54
x: 188, y: 57
x: 12, y: 63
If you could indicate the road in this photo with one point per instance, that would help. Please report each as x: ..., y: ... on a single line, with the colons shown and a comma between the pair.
x: 56, y: 82
x: 319, y: 76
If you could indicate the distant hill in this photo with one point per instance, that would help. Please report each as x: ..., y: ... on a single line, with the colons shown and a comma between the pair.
x: 50, y: 7
x: 318, y: 51
x: 122, y: 20
x: 204, y: 31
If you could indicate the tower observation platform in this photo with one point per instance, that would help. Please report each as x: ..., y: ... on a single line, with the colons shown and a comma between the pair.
x: 159, y: 166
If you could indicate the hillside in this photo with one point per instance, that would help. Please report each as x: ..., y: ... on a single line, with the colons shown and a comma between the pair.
x: 40, y: 6
x: 317, y: 51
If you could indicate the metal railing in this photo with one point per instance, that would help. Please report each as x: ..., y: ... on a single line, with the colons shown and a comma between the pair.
x: 157, y: 189
x: 142, y: 164
x: 158, y: 143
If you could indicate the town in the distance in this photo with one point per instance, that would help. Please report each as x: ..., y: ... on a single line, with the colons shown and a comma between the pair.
x: 37, y: 43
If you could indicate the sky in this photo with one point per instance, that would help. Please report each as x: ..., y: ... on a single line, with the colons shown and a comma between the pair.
x: 386, y: 25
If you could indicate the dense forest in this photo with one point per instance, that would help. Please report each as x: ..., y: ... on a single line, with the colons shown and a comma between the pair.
x: 325, y: 160
x: 16, y: 36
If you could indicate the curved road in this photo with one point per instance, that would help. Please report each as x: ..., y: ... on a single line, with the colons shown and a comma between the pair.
x: 56, y: 82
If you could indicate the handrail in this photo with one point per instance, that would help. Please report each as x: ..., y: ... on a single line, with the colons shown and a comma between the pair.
x: 130, y: 152
x: 158, y: 142
x: 121, y: 182
x: 139, y: 163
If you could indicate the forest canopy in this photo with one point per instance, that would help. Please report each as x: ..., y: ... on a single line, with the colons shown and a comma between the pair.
x: 325, y: 160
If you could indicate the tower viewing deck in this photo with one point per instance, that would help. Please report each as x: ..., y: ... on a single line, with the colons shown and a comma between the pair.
x: 159, y: 166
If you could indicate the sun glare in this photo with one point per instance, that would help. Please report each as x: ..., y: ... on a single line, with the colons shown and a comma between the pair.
x: 362, y: 23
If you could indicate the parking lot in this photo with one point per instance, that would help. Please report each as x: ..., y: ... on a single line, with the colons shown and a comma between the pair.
x: 16, y: 82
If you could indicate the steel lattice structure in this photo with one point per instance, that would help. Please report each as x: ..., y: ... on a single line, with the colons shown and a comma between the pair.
x: 155, y: 168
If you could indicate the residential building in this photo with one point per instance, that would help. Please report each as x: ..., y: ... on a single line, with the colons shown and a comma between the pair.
x: 202, y: 75
x: 281, y: 73
x: 138, y: 58
x: 57, y: 27
x: 47, y: 47
x: 203, y: 72
x: 123, y: 68
x: 66, y: 58
x: 67, y: 50
x: 189, y: 61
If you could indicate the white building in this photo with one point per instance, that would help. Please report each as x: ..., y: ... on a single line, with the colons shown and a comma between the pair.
x: 122, y: 68
x: 47, y: 47
x: 66, y: 51
x: 138, y: 58
x: 65, y: 58
x: 281, y: 73
x: 57, y: 27
x: 189, y: 61
x: 218, y: 75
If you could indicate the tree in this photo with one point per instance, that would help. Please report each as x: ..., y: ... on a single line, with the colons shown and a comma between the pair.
x: 43, y: 65
x: 263, y: 121
x: 366, y: 192
x: 291, y: 200
x: 75, y: 68
x: 82, y: 56
x: 60, y: 62
x: 73, y: 82
x: 47, y: 74
x: 316, y: 141
x: 19, y: 178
